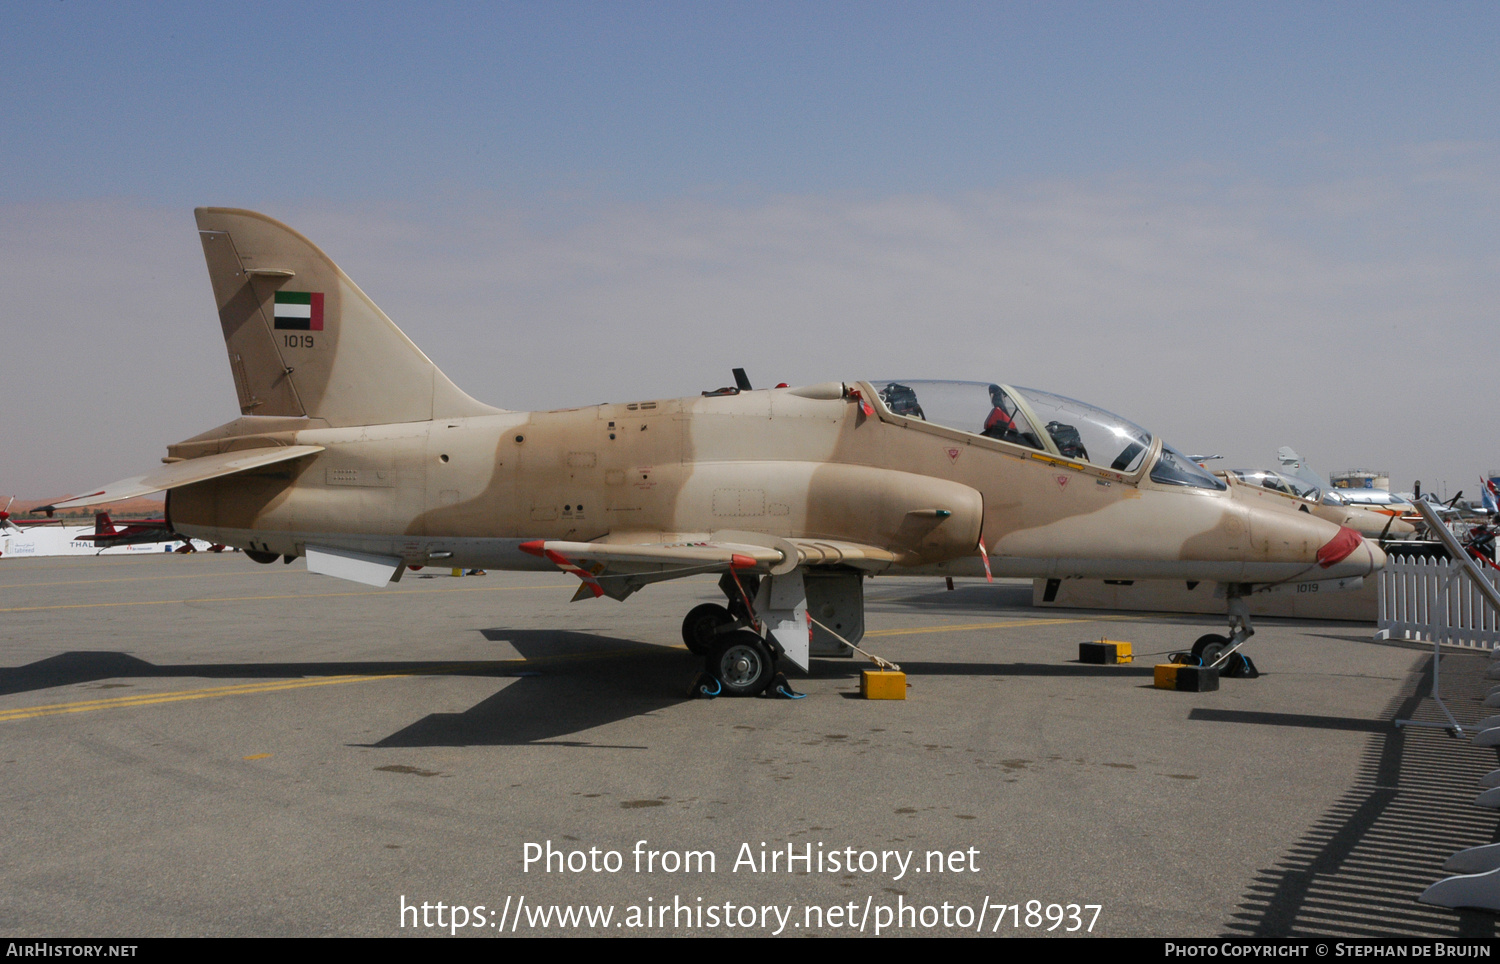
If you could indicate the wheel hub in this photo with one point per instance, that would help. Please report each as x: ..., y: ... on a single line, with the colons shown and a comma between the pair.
x: 741, y: 665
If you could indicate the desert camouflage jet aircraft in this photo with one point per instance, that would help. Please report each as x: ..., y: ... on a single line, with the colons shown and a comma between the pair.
x: 1302, y: 497
x: 355, y: 451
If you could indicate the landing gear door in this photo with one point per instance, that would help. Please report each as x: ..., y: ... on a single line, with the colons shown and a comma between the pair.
x: 837, y: 601
x: 782, y: 605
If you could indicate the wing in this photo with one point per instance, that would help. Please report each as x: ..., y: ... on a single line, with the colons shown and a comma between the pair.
x: 627, y: 562
x: 186, y: 472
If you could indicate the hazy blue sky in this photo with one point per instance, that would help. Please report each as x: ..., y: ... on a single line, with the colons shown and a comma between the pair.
x: 1240, y: 225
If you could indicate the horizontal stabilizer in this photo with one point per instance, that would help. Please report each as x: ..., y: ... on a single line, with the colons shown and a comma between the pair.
x: 186, y: 472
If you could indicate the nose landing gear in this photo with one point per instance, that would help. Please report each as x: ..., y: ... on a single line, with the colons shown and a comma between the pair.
x: 1222, y: 651
x: 1213, y: 650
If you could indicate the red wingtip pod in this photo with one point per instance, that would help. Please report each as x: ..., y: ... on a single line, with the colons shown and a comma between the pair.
x: 1338, y: 548
x: 534, y: 547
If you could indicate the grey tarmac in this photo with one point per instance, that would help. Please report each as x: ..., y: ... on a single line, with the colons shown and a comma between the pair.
x: 196, y: 745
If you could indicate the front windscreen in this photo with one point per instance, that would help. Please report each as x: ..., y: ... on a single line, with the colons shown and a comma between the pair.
x: 1174, y: 468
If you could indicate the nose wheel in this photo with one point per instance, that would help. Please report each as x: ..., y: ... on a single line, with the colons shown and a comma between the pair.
x: 1223, y: 651
x: 1209, y: 648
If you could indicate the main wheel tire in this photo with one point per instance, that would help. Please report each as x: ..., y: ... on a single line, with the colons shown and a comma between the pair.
x: 742, y: 664
x: 700, y: 627
x: 1208, y: 648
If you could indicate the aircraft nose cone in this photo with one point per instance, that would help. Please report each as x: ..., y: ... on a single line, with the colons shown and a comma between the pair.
x: 1350, y: 554
x: 1338, y: 548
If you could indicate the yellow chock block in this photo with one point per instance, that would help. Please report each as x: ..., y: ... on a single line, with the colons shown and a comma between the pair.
x: 1105, y: 652
x: 882, y: 684
x: 458, y: 572
x: 1186, y: 679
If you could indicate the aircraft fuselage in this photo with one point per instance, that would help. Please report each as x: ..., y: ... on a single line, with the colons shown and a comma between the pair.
x: 802, y: 463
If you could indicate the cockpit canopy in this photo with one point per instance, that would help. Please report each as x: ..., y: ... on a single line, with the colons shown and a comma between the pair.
x: 1039, y: 420
x: 1275, y: 481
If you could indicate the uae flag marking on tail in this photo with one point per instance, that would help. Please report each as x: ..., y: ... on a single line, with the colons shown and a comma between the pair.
x: 299, y: 310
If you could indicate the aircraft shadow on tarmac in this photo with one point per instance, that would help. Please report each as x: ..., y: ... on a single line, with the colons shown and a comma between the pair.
x: 69, y: 669
x: 573, y: 698
x: 571, y: 682
x: 77, y: 668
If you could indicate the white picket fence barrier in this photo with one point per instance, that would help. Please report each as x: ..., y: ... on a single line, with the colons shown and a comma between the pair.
x: 1429, y: 599
x: 1456, y: 601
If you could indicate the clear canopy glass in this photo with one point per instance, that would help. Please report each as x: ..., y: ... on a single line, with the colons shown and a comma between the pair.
x: 1174, y: 468
x: 1038, y: 420
x: 1268, y: 479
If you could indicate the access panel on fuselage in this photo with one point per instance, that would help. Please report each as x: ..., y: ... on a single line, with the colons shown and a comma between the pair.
x: 584, y: 473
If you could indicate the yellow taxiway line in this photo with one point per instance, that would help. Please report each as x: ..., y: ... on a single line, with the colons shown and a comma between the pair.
x: 276, y: 686
x: 147, y: 699
x: 1003, y: 624
x: 309, y: 595
x: 196, y: 575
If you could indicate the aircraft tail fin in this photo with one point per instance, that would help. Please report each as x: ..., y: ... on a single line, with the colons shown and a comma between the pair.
x: 102, y: 524
x: 1296, y: 466
x: 303, y: 339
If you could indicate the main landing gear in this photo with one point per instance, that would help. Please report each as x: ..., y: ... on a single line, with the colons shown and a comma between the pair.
x: 704, y: 625
x: 737, y: 661
x: 742, y: 664
x: 1213, y: 649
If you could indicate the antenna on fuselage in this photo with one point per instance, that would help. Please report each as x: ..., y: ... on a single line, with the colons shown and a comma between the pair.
x: 741, y: 380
